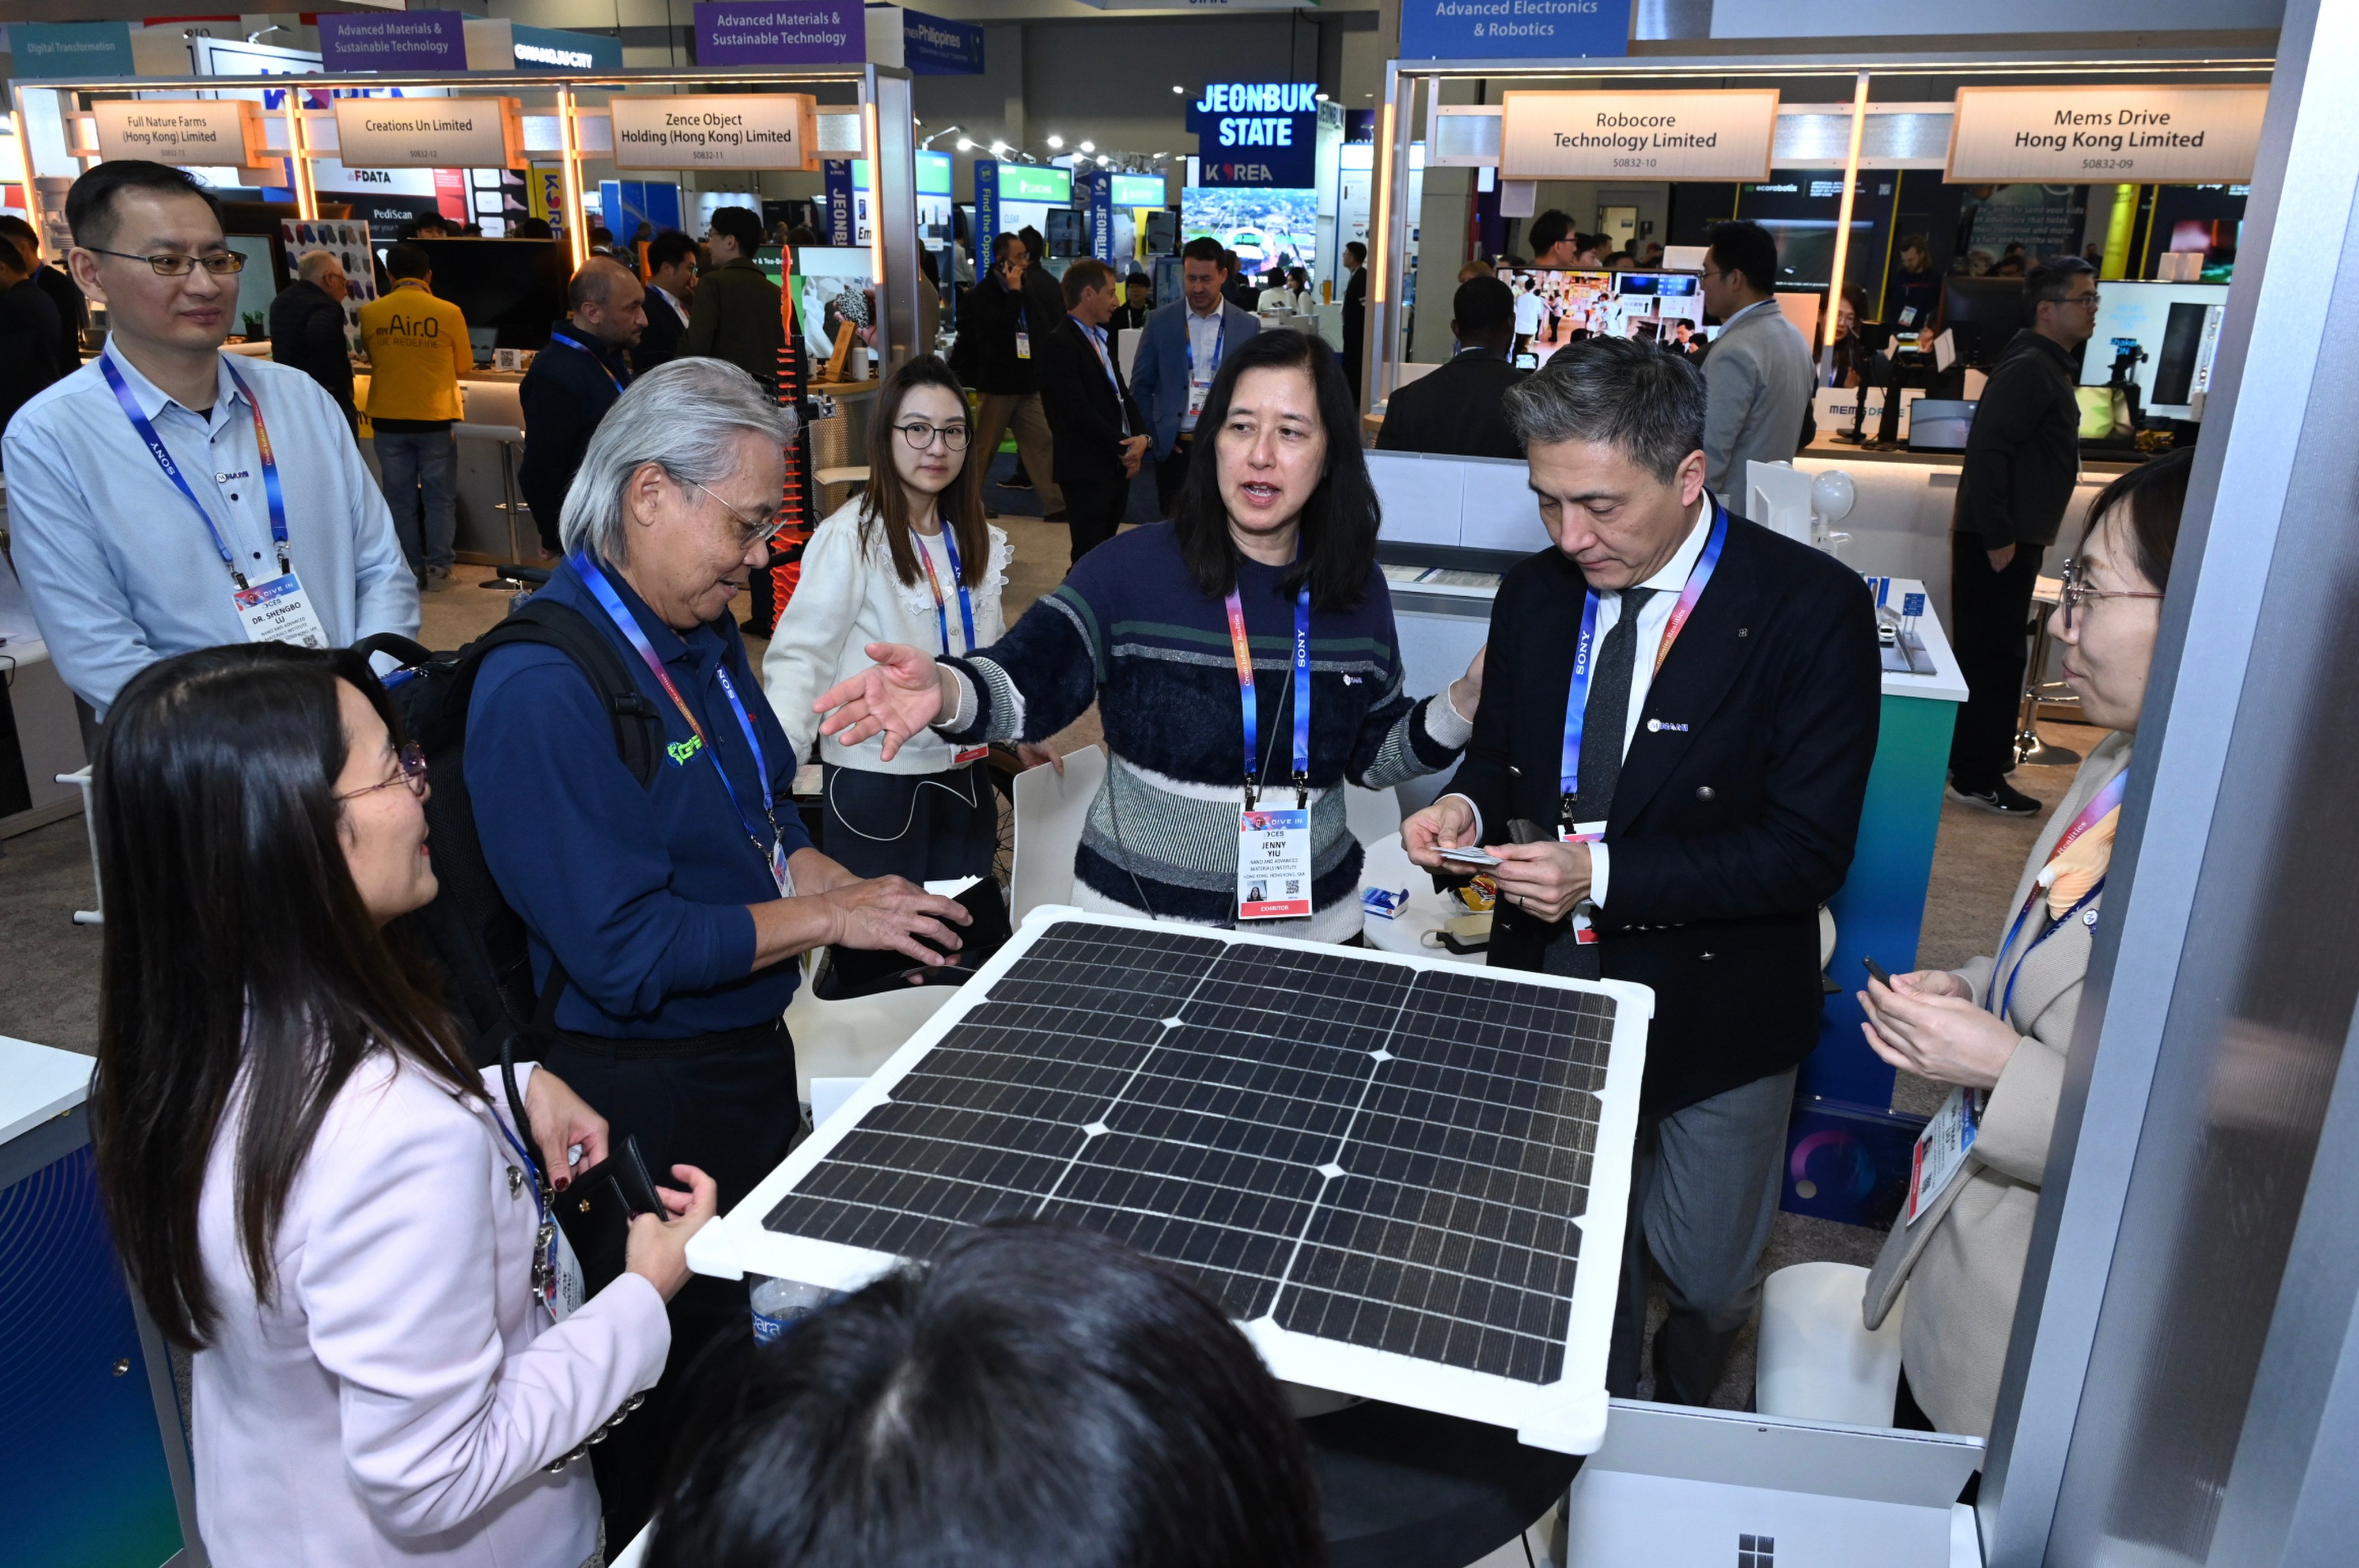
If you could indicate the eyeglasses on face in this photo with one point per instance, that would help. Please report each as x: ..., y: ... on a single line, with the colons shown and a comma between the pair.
x: 749, y: 529
x: 920, y: 435
x: 2077, y: 592
x: 172, y: 264
x: 412, y: 761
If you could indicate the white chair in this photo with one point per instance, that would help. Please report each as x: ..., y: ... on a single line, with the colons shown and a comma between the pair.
x: 1818, y: 1359
x: 1050, y: 808
x: 852, y: 1039
x: 1373, y: 815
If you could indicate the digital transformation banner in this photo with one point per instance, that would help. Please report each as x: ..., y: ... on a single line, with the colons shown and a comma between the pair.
x: 1514, y: 29
x: 72, y: 49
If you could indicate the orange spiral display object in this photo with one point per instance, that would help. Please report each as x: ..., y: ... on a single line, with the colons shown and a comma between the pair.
x: 795, y: 521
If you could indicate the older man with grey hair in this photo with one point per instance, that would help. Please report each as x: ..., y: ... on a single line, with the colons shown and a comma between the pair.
x: 1669, y: 763
x: 307, y: 327
x: 665, y: 913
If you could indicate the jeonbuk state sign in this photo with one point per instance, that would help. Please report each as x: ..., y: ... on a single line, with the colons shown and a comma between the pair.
x: 767, y: 130
x: 2066, y: 135
x: 1723, y: 135
x: 1257, y: 132
x: 430, y: 133
x: 215, y: 132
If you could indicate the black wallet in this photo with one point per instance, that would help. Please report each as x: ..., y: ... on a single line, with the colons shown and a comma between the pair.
x: 598, y: 1204
x: 859, y: 971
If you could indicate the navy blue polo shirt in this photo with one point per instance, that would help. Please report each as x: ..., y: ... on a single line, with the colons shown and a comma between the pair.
x: 641, y: 891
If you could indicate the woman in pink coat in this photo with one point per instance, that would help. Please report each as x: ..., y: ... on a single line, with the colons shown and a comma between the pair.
x: 311, y: 1188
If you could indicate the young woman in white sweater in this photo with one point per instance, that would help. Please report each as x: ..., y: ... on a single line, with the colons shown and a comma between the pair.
x: 908, y: 561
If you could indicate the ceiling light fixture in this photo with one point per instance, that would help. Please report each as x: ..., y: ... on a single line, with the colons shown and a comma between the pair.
x: 1176, y: 88
x: 1056, y: 143
x: 966, y: 143
x: 1089, y: 146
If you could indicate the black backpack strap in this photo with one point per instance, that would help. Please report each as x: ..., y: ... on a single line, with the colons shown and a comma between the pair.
x: 637, y: 732
x: 394, y: 646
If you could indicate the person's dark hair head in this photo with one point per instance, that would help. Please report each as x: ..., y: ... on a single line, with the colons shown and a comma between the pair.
x: 91, y: 204
x: 1356, y: 251
x: 2009, y: 266
x: 13, y: 263
x: 532, y: 229
x: 668, y: 249
x: 432, y: 224
x: 405, y: 259
x: 600, y: 235
x: 2151, y: 498
x: 885, y: 505
x: 16, y: 228
x: 1638, y: 398
x: 1746, y: 248
x: 1481, y: 309
x: 2013, y: 248
x: 1548, y: 231
x: 1228, y: 260
x: 1338, y: 521
x: 1034, y: 245
x: 803, y: 236
x: 1037, y: 1397
x: 236, y: 944
x: 2052, y: 280
x: 1138, y: 280
x: 1084, y: 275
x: 999, y: 246
x: 1204, y: 247
x: 739, y: 224
x: 1917, y: 244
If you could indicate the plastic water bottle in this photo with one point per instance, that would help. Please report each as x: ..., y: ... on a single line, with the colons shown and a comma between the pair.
x: 779, y: 1304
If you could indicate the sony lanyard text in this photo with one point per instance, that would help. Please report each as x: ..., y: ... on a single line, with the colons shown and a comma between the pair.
x: 958, y: 580
x: 1247, y: 701
x: 2101, y: 804
x: 774, y: 853
x: 163, y: 456
x: 1584, y: 657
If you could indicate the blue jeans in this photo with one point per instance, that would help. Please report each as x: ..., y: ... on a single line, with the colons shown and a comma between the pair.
x: 420, y: 471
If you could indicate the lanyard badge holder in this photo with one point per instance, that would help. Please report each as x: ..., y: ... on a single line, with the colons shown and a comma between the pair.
x: 1576, y: 700
x: 1200, y: 385
x: 1273, y: 847
x: 1942, y: 1146
x: 942, y: 617
x: 277, y: 610
x: 773, y: 854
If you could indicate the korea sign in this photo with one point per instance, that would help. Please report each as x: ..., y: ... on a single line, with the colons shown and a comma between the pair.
x: 2067, y: 136
x: 766, y: 130
x: 430, y: 133
x: 1706, y: 135
x: 222, y: 131
x: 1257, y: 132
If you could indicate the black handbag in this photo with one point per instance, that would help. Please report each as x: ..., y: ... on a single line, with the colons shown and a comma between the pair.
x: 596, y: 1208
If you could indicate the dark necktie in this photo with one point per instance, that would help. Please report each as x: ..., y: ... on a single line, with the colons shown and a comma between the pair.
x: 1604, y: 719
x: 1608, y: 712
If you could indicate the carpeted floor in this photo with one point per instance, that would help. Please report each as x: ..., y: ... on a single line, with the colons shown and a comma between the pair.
x: 49, y: 982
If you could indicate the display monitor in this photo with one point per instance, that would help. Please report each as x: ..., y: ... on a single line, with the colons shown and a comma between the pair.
x: 1260, y: 225
x: 1551, y: 305
x: 1067, y: 232
x: 1982, y: 314
x: 1138, y: 190
x: 515, y: 286
x: 2175, y: 325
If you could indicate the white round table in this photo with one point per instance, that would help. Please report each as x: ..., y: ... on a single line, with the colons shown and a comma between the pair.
x: 1385, y: 864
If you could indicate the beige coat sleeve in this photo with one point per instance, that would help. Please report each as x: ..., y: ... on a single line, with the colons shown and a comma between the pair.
x: 2021, y: 1115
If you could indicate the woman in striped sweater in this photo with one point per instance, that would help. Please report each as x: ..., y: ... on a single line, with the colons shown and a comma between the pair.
x: 1270, y: 563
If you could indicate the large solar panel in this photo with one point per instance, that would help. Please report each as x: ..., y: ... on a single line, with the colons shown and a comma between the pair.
x: 1390, y: 1170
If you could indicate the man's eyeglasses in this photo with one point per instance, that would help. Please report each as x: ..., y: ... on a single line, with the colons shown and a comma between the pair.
x: 171, y: 264
x: 2077, y: 592
x: 920, y: 435
x: 748, y: 528
x: 412, y: 758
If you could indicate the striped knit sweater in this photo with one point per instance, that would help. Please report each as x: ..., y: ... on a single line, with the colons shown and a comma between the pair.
x: 1130, y: 631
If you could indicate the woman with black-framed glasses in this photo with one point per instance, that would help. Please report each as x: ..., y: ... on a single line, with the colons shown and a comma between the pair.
x: 1998, y: 1028
x: 908, y: 561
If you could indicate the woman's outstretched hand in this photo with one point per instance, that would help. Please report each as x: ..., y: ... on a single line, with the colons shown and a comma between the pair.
x: 898, y: 696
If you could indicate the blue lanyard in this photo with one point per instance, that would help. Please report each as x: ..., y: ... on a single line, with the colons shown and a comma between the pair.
x: 2006, y: 994
x: 531, y: 1166
x: 774, y: 853
x: 958, y: 577
x: 272, y: 495
x: 1250, y: 705
x: 595, y: 357
x: 1584, y: 657
x: 1220, y: 337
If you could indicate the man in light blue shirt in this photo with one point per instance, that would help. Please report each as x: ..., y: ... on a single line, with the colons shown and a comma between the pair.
x: 124, y: 561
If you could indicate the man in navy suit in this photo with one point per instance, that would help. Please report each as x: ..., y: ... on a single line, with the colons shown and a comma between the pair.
x: 1696, y: 789
x: 1177, y: 354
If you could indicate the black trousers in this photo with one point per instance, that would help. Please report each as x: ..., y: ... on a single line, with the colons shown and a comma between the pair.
x: 928, y: 827
x: 725, y: 1104
x: 1171, y: 473
x: 1093, y: 510
x: 1990, y: 616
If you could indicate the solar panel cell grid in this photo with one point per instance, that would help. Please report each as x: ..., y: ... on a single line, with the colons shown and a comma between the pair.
x: 1365, y: 1152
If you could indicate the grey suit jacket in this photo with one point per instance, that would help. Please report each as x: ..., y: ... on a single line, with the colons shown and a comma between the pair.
x: 1964, y: 1258
x: 1758, y: 378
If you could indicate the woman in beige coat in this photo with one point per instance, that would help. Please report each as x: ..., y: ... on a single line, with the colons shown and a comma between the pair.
x: 2001, y: 1026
